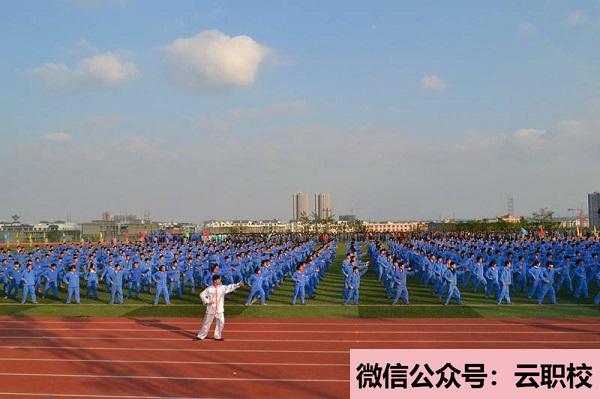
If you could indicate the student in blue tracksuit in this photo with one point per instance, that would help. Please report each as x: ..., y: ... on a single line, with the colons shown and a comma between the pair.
x: 91, y: 276
x: 256, y: 288
x: 134, y: 280
x: 174, y: 276
x: 400, y: 283
x: 161, y: 280
x: 51, y: 277
x: 492, y: 281
x: 72, y: 281
x: 450, y: 275
x: 478, y: 276
x: 14, y: 281
x: 505, y: 283
x: 520, y: 274
x: 534, y: 275
x: 116, y: 285
x: 29, y: 278
x: 188, y: 275
x: 353, y: 282
x: 299, y: 283
x: 581, y: 276
x: 547, y: 281
x: 597, y: 297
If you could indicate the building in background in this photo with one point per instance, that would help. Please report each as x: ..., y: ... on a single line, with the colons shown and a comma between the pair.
x: 245, y: 226
x: 323, y: 205
x: 300, y: 206
x: 395, y: 227
x: 594, y: 210
x: 347, y: 218
x: 119, y: 227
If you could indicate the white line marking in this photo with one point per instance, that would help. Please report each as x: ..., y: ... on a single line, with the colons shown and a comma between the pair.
x: 17, y: 347
x: 265, y: 340
x: 87, y: 320
x: 12, y: 359
x: 161, y: 377
x: 308, y: 305
x: 194, y: 332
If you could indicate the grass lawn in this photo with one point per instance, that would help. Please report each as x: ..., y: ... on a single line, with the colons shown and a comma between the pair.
x: 328, y: 303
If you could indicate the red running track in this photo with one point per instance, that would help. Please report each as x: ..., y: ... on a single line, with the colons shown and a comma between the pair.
x: 277, y: 358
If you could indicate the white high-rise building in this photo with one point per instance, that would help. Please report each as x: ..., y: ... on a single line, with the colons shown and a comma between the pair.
x: 300, y: 205
x: 323, y: 205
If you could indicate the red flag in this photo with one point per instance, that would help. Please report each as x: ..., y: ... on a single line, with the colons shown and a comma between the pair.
x: 542, y: 232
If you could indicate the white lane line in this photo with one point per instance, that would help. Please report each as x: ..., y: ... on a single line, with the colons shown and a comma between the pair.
x: 74, y: 395
x: 27, y: 347
x: 287, y: 305
x: 524, y: 323
x: 268, y: 340
x: 12, y: 359
x: 161, y: 377
x: 194, y: 332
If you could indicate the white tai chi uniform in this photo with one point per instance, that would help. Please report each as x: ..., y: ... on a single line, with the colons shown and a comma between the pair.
x: 214, y: 299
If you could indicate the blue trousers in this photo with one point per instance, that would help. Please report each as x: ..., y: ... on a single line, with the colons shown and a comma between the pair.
x: 134, y: 286
x: 521, y: 282
x: 453, y: 292
x: 161, y: 289
x: 256, y: 291
x: 478, y: 281
x: 192, y: 282
x: 401, y: 293
x: 28, y: 290
x: 50, y: 285
x: 492, y: 285
x: 547, y: 289
x: 565, y: 278
x: 533, y: 289
x: 116, y: 291
x: 354, y: 295
x: 93, y: 288
x: 582, y: 288
x: 504, y: 294
x: 298, y: 293
x: 73, y: 292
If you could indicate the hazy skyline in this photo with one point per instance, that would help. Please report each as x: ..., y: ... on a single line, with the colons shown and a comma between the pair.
x: 223, y: 109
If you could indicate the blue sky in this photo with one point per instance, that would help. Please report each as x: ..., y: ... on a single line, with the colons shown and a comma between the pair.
x: 197, y: 110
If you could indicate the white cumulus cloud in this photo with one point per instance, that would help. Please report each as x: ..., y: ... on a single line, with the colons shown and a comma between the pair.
x: 106, y: 69
x: 57, y: 137
x: 432, y: 82
x: 211, y: 59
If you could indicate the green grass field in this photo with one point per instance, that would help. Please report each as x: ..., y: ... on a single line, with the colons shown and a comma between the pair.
x: 328, y: 303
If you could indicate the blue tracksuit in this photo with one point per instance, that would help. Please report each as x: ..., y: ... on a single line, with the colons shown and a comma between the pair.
x: 534, y: 274
x: 547, y: 285
x: 400, y: 286
x: 116, y: 286
x: 505, y: 282
x: 353, y: 282
x: 160, y: 278
x: 582, y: 286
x: 299, y: 283
x: 256, y: 289
x: 492, y: 282
x: 28, y: 278
x: 51, y: 277
x: 175, y: 282
x: 72, y: 280
x: 92, y: 284
x: 451, y: 279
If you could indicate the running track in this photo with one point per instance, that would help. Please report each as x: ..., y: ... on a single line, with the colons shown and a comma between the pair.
x: 278, y: 358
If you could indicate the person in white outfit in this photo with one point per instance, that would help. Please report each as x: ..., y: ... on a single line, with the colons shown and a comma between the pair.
x: 214, y: 299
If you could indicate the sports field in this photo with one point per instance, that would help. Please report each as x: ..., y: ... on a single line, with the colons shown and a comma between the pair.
x: 328, y: 303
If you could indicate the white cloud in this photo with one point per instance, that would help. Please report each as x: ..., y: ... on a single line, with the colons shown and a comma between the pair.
x: 433, y: 82
x: 576, y: 18
x: 211, y: 59
x: 57, y: 137
x: 106, y: 69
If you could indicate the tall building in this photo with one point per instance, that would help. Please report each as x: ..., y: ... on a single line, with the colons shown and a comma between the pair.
x: 323, y: 205
x: 300, y: 205
x: 594, y: 210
